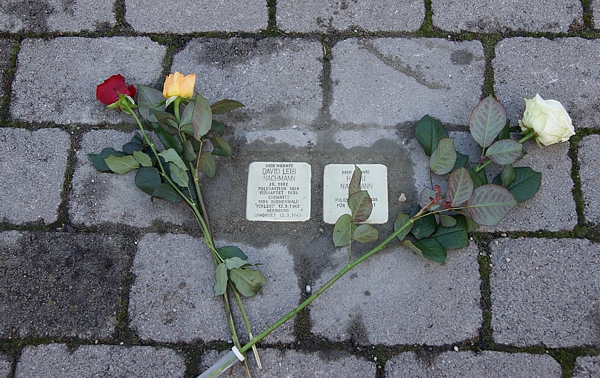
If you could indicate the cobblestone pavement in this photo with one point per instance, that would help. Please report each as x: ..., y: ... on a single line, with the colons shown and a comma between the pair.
x: 97, y: 280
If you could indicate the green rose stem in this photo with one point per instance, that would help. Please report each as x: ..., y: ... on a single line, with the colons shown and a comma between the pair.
x: 224, y: 364
x: 125, y: 107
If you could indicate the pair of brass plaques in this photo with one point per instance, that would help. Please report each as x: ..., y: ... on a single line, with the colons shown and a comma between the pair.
x: 281, y: 191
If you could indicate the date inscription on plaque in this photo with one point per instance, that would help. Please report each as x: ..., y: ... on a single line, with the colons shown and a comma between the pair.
x: 278, y: 192
x: 336, y: 181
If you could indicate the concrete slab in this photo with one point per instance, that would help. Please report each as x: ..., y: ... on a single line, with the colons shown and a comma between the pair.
x: 61, y: 284
x: 5, y: 367
x: 324, y: 16
x: 389, y: 81
x: 56, y: 16
x: 569, y: 77
x: 58, y: 360
x: 590, y: 181
x: 278, y: 80
x: 588, y: 366
x: 490, y: 16
x: 381, y: 300
x: 291, y: 363
x: 471, y: 365
x: 544, y: 292
x: 33, y: 170
x: 6, y: 51
x: 553, y: 207
x: 63, y: 89
x: 98, y: 198
x: 190, y: 16
x: 172, y: 297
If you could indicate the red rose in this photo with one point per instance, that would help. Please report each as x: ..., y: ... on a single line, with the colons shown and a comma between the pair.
x: 108, y: 92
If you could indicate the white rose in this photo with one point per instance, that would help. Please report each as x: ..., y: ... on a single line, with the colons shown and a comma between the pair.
x: 548, y: 119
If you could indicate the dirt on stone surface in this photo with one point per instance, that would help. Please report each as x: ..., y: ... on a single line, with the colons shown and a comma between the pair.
x: 62, y: 284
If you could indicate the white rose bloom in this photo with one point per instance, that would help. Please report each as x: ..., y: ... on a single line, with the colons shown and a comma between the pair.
x: 548, y: 119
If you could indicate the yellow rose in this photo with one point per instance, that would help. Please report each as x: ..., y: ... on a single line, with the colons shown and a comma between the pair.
x: 178, y: 85
x: 548, y: 119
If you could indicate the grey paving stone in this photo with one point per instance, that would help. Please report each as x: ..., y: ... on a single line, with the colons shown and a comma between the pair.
x: 471, y: 365
x: 291, y: 363
x: 278, y: 80
x: 58, y: 360
x: 587, y: 367
x: 544, y: 292
x: 56, y: 16
x: 553, y: 207
x: 98, y: 198
x: 490, y: 16
x: 323, y: 16
x: 6, y: 50
x: 522, y: 68
x: 33, y: 170
x: 382, y: 300
x: 61, y: 284
x: 63, y: 89
x: 5, y: 367
x: 172, y: 297
x: 197, y: 16
x: 588, y: 174
x: 389, y: 81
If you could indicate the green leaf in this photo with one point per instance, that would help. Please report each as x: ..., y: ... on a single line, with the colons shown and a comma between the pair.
x: 507, y: 177
x: 487, y: 120
x: 471, y: 224
x: 479, y: 178
x: 220, y: 147
x: 443, y: 158
x: 142, y: 158
x: 229, y: 252
x: 148, y: 98
x: 235, y: 262
x: 446, y: 220
x: 407, y: 243
x: 460, y: 187
x: 218, y: 127
x: 526, y: 183
x: 189, y: 154
x: 247, y: 281
x: 178, y: 175
x: 186, y: 116
x: 505, y: 133
x: 221, y: 278
x: 461, y: 161
x: 453, y: 237
x: 171, y: 156
x: 166, y: 192
x: 432, y: 250
x: 207, y: 165
x: 147, y: 179
x: 428, y: 132
x: 98, y: 159
x: 202, y: 117
x: 121, y: 164
x: 365, y: 233
x: 426, y: 196
x: 354, y: 185
x: 135, y: 144
x: 401, y: 220
x: 342, y: 231
x: 167, y: 139
x: 504, y: 151
x: 424, y: 227
x: 224, y: 106
x: 167, y: 119
x: 361, y: 205
x: 489, y: 204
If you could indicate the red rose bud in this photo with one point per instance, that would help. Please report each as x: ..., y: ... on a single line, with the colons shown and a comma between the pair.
x: 108, y: 92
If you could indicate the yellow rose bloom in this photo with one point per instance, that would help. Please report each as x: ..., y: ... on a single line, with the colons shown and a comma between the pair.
x: 178, y: 85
